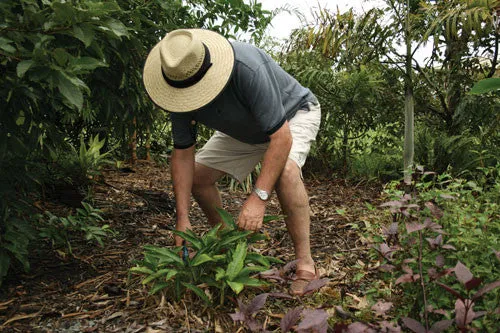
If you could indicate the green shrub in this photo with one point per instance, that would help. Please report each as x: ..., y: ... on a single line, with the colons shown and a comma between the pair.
x: 15, y: 236
x: 61, y: 230
x: 221, y: 262
x: 441, y: 228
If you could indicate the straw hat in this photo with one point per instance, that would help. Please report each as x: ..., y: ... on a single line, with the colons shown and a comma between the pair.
x: 187, y: 69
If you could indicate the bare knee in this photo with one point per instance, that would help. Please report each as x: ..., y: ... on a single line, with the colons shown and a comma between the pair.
x: 205, y: 177
x: 290, y: 176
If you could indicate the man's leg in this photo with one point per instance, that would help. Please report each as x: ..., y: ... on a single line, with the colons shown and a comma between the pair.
x: 295, y: 204
x: 206, y: 193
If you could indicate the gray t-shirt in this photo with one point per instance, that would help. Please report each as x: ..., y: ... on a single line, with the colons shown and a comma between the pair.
x: 258, y: 99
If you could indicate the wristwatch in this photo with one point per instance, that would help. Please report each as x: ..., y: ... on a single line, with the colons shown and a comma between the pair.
x: 263, y: 195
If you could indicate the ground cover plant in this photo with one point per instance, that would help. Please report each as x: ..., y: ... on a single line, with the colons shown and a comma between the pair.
x: 219, y: 259
x: 434, y: 231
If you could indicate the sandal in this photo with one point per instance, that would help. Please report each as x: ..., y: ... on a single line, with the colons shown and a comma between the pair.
x: 302, y: 279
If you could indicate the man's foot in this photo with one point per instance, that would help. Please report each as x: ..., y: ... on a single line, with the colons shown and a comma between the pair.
x: 302, y: 279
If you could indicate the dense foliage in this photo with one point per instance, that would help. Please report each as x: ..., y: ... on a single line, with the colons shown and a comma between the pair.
x: 72, y: 70
x: 72, y: 100
x: 452, y: 127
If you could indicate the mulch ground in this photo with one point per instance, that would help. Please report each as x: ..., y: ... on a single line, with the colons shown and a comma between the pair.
x: 92, y: 290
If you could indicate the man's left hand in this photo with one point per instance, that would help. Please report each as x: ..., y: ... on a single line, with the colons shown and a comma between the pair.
x: 252, y: 213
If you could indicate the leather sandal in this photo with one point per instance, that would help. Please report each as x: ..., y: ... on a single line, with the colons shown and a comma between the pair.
x: 301, y: 280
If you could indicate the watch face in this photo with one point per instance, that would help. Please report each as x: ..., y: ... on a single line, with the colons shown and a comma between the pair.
x: 263, y: 195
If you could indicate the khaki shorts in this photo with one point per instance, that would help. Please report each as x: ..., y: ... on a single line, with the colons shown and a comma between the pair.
x: 238, y: 159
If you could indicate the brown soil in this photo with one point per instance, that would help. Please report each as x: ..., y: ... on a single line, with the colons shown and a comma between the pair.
x: 92, y: 291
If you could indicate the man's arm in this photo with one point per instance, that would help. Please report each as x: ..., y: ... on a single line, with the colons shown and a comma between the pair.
x: 274, y: 161
x: 182, y: 176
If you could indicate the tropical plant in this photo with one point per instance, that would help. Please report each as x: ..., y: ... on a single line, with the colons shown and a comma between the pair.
x: 221, y: 261
x: 73, y: 70
x: 338, y: 56
x: 60, y: 231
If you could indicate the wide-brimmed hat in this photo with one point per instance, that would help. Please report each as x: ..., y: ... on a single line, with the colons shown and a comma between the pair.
x: 187, y: 69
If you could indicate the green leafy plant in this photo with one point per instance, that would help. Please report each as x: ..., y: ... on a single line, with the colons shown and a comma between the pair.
x: 91, y: 159
x: 435, y: 225
x: 485, y: 86
x: 221, y: 262
x: 16, y: 234
x: 86, y: 221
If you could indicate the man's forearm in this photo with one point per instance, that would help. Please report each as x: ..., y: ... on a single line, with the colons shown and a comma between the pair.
x: 182, y: 176
x: 275, y: 158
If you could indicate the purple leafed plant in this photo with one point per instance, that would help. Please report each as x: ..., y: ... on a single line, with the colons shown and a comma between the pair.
x: 313, y: 320
x: 247, y: 311
x: 424, y: 240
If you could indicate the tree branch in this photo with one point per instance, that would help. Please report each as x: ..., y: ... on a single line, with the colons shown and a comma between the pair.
x: 495, y: 57
x: 441, y: 98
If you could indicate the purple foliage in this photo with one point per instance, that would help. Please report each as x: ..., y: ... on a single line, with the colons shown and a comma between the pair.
x: 290, y: 319
x: 313, y: 321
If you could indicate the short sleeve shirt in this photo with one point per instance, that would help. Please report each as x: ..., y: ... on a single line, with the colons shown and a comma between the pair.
x: 259, y: 98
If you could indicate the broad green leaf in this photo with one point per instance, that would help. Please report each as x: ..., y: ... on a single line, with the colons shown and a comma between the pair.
x: 64, y: 11
x: 85, y: 33
x: 164, y: 252
x: 200, y: 259
x: 171, y: 273
x: 156, y: 275
x: 237, y: 287
x: 219, y: 257
x: 220, y: 273
x: 117, y: 27
x: 198, y: 291
x: 256, y: 237
x: 250, y: 282
x: 237, y: 261
x: 486, y: 86
x: 232, y: 239
x: 61, y: 56
x: 5, y: 45
x: 189, y: 236
x: 70, y: 91
x: 211, y: 235
x: 87, y: 63
x: 274, y: 260
x: 269, y: 218
x: 227, y: 218
x: 141, y: 270
x: 251, y: 269
x: 257, y: 258
x: 158, y: 286
x: 23, y: 67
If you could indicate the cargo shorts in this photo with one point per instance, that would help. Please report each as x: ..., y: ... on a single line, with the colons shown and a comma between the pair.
x: 238, y: 159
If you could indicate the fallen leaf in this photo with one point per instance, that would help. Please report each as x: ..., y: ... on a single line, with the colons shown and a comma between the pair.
x: 381, y: 308
x: 315, y: 285
x: 414, y: 325
x: 290, y: 319
x: 313, y: 321
x: 362, y: 302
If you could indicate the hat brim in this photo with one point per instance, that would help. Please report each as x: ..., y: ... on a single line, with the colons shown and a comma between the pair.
x: 203, y: 92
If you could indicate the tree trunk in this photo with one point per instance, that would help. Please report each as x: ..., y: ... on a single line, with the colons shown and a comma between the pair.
x: 345, y: 147
x: 409, y: 142
x: 148, y: 143
x: 133, y: 142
